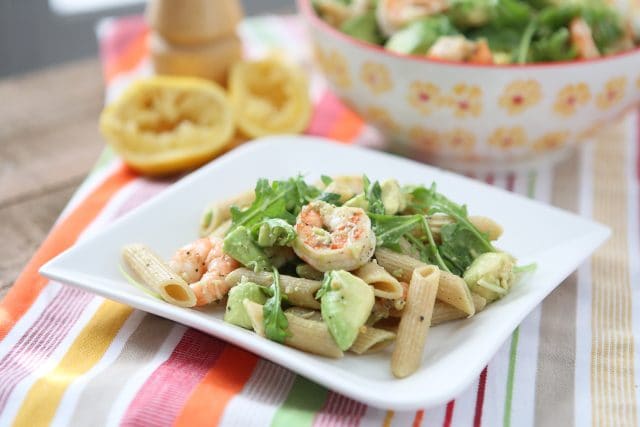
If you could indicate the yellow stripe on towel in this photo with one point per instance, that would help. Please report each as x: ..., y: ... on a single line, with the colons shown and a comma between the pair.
x: 41, y: 403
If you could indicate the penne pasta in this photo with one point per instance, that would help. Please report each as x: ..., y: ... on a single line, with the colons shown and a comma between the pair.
x: 304, y: 334
x: 305, y: 313
x: 443, y: 312
x: 158, y: 276
x: 371, y: 340
x: 485, y: 225
x: 384, y: 284
x: 415, y: 321
x: 452, y: 289
x: 222, y: 229
x: 218, y: 212
x: 299, y: 292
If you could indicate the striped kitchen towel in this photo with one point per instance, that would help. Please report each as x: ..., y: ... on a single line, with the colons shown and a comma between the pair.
x: 72, y: 358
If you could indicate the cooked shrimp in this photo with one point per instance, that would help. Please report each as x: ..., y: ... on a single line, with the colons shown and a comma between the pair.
x: 392, y: 15
x: 336, y: 12
x: 582, y: 39
x: 204, y: 265
x: 190, y: 261
x: 333, y: 238
x: 458, y: 48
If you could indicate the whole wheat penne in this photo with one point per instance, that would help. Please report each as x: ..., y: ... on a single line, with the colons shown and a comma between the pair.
x: 347, y: 186
x: 443, y: 312
x: 222, y: 229
x: 305, y: 313
x: 218, y: 212
x: 158, y: 276
x: 415, y: 321
x: 371, y: 339
x: 384, y: 284
x: 453, y: 290
x: 300, y: 292
x: 304, y: 334
x: 485, y: 225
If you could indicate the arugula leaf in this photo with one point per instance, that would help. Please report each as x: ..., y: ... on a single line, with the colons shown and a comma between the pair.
x: 279, y: 199
x: 605, y: 23
x: 326, y: 180
x: 511, y: 13
x: 273, y: 232
x: 275, y: 322
x: 459, y: 247
x: 390, y: 229
x: 326, y: 285
x: 270, y: 202
x: 428, y: 200
x: 331, y: 198
x: 555, y: 47
x: 373, y: 195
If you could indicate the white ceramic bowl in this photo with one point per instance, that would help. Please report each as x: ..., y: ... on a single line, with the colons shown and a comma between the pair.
x: 474, y: 117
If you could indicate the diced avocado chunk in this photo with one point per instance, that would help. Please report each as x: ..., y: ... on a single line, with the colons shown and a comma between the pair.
x: 393, y: 198
x: 239, y: 245
x: 235, y: 312
x: 346, y: 303
x: 363, y: 27
x: 359, y: 201
x: 491, y: 275
x: 419, y: 36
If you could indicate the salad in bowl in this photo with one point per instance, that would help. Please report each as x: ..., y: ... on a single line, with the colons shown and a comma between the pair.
x: 480, y: 85
x: 488, y: 31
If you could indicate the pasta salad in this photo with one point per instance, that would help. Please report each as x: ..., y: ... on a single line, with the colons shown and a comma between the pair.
x: 344, y: 265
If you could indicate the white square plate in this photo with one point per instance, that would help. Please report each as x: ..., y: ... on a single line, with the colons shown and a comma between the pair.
x: 455, y: 353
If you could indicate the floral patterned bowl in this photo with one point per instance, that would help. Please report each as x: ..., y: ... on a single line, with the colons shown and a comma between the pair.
x: 474, y: 117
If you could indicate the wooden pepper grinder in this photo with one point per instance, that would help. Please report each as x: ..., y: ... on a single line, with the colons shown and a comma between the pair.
x: 194, y: 37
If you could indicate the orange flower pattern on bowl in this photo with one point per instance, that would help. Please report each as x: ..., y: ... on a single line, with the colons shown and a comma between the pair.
x: 460, y: 139
x: 427, y: 140
x: 612, y: 93
x: 507, y: 138
x: 424, y: 96
x: 570, y: 98
x: 381, y: 117
x: 551, y: 141
x: 466, y: 100
x: 520, y: 95
x: 334, y: 66
x: 376, y: 77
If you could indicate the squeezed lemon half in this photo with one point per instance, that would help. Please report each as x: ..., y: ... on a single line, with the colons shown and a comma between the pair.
x: 269, y: 97
x: 163, y: 125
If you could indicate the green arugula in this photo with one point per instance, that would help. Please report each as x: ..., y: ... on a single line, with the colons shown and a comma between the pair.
x: 275, y: 322
x: 326, y: 285
x: 429, y: 201
x: 390, y: 229
x: 459, y: 247
x: 276, y: 200
x: 373, y: 195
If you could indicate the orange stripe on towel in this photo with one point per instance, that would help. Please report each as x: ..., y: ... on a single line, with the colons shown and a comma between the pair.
x: 225, y: 379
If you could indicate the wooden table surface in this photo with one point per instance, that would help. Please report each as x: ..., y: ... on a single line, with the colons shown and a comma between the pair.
x: 49, y: 141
